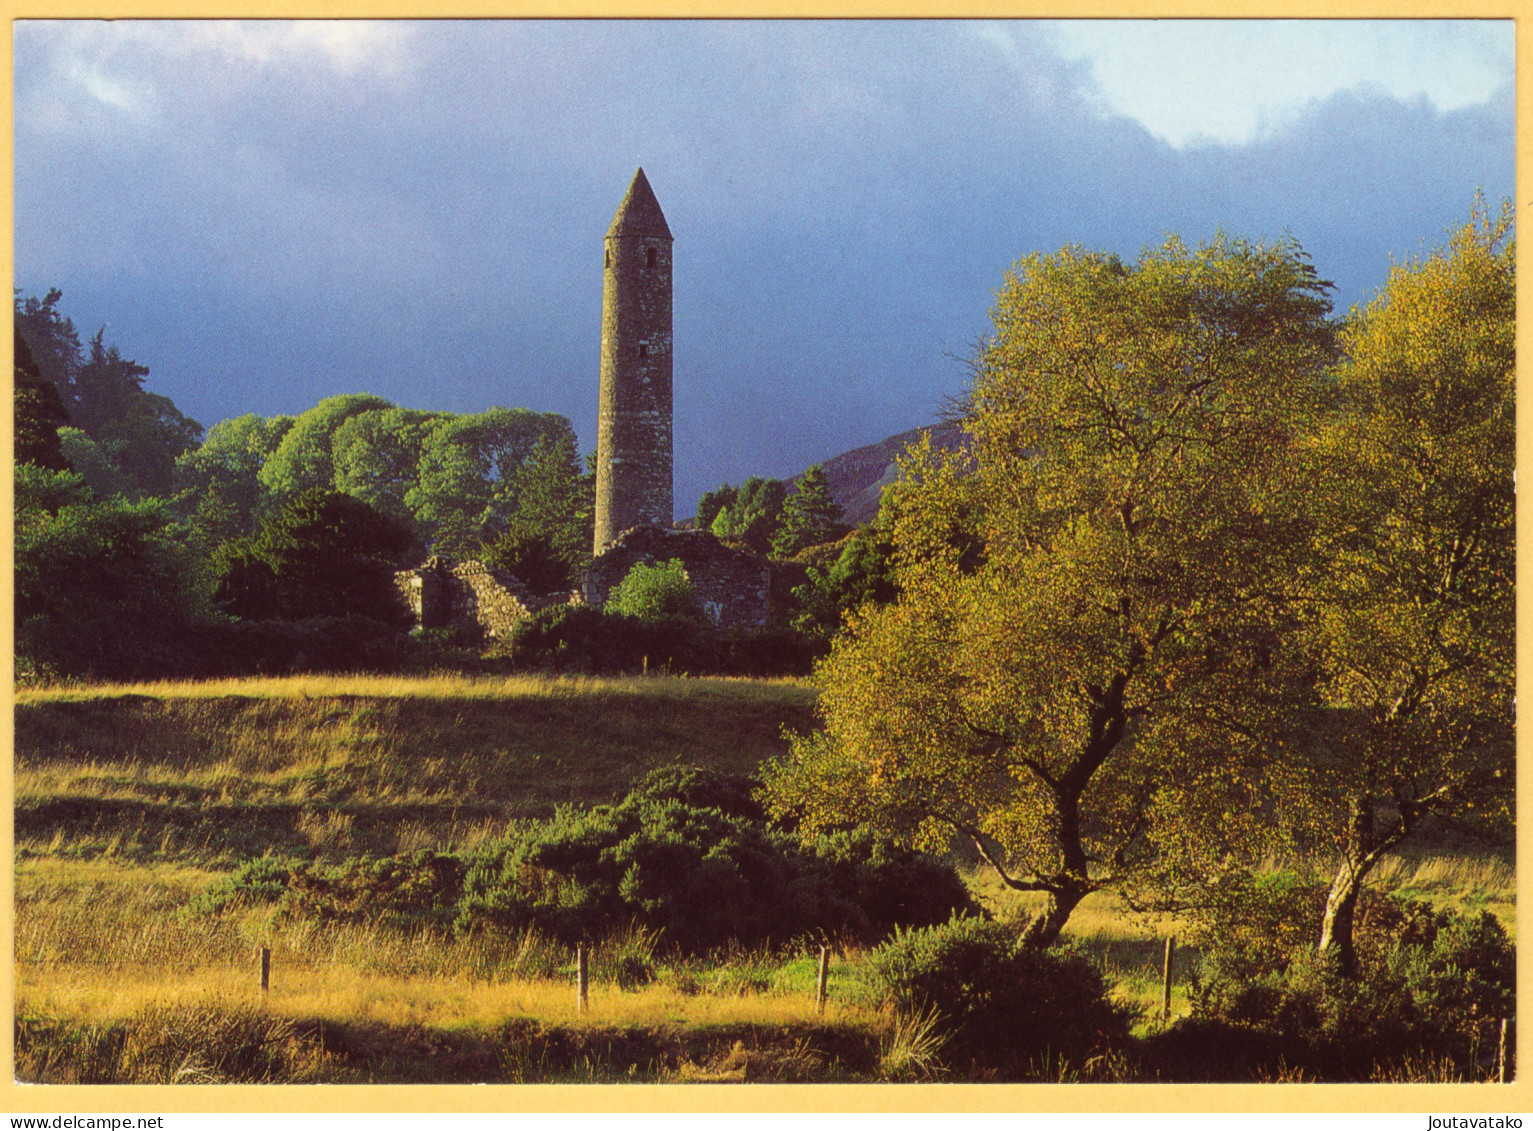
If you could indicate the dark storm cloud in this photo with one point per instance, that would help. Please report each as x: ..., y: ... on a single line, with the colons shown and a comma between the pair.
x: 417, y: 210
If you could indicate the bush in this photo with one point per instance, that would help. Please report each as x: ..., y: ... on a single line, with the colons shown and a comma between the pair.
x: 1250, y: 924
x: 570, y: 639
x: 685, y: 858
x: 585, y: 640
x: 257, y: 882
x: 1432, y: 987
x: 420, y: 890
x: 731, y: 794
x: 1003, y: 1006
x: 655, y: 592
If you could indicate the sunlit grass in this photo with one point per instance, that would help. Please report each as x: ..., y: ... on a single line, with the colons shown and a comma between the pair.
x: 97, y: 996
x: 214, y: 772
x: 99, y: 942
x: 440, y: 686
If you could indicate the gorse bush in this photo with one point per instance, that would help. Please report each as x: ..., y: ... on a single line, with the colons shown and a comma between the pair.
x: 702, y: 875
x: 685, y: 858
x: 1431, y: 987
x: 1002, y: 1006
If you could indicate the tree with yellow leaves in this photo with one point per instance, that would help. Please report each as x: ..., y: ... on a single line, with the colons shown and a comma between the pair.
x: 1412, y: 618
x: 1089, y: 648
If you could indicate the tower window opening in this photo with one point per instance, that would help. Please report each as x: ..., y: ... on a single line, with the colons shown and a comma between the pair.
x: 649, y: 258
x: 643, y: 349
x: 606, y: 259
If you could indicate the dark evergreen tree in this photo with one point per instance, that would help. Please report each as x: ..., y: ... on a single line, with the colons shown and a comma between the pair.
x: 712, y: 502
x: 809, y: 515
x: 39, y: 413
x: 141, y: 433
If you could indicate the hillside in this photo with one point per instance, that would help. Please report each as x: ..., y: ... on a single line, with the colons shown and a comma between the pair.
x: 857, y: 478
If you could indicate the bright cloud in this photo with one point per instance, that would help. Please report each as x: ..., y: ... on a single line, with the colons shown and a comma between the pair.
x: 346, y: 46
x: 120, y: 67
x: 1230, y: 81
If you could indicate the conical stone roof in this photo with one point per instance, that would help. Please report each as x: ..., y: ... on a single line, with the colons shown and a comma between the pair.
x: 639, y: 214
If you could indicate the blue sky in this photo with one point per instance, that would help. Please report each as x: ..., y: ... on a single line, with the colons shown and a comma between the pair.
x: 270, y: 213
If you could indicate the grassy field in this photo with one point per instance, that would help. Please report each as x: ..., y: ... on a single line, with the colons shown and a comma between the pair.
x: 218, y: 772
x: 131, y: 800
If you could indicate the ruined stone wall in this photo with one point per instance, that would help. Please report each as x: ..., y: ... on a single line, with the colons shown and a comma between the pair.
x: 469, y: 596
x: 733, y: 587
x: 633, y: 433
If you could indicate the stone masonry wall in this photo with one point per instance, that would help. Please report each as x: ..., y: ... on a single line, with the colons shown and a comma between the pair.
x: 469, y: 596
x: 733, y: 587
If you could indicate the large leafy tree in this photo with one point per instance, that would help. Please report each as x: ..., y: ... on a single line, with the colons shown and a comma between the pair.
x: 1090, y: 622
x: 1413, y: 617
x: 218, y: 483
x: 95, y: 462
x: 304, y: 460
x: 474, y: 469
x: 102, y: 587
x: 376, y: 456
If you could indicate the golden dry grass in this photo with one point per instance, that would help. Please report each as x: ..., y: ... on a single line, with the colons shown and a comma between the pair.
x: 96, y: 996
x: 220, y: 771
x: 442, y: 686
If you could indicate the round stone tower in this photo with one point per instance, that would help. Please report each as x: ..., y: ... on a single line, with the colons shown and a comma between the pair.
x: 633, y: 435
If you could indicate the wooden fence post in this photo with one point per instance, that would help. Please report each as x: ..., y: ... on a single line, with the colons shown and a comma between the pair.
x: 582, y: 981
x: 265, y: 971
x: 1501, y: 1055
x: 1165, y: 979
x: 820, y: 982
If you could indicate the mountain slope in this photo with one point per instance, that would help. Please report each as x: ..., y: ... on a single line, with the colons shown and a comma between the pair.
x: 857, y: 478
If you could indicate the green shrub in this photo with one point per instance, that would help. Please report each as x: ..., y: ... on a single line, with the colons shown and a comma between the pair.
x: 686, y: 854
x: 1003, y: 1006
x: 586, y: 640
x: 1250, y: 923
x: 654, y: 592
x: 684, y: 860
x: 261, y: 881
x: 580, y: 639
x: 1431, y: 987
x: 421, y: 890
x: 731, y: 794
x: 698, y: 876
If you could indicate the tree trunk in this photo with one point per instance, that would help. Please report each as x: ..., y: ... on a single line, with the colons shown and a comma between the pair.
x: 1043, y: 930
x: 1340, y: 911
